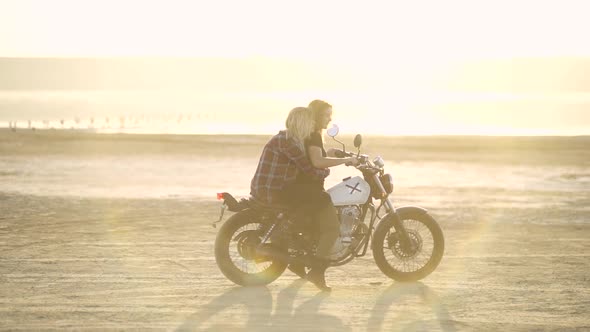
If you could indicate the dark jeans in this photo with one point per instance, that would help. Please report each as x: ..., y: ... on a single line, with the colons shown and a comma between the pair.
x: 311, y: 199
x: 329, y: 230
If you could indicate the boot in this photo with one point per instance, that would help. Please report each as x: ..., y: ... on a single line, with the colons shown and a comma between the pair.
x: 317, y: 274
x: 298, y: 268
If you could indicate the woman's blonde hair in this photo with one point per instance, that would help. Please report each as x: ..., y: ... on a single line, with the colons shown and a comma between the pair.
x: 299, y: 125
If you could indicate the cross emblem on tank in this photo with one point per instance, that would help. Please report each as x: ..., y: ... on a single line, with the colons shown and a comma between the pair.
x: 354, y: 188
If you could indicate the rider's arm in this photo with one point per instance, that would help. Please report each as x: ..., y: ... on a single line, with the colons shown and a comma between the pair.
x: 294, y: 153
x: 332, y: 152
x: 318, y: 161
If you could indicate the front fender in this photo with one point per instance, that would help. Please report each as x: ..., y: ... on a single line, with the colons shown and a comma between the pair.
x: 401, y: 213
x: 406, y: 210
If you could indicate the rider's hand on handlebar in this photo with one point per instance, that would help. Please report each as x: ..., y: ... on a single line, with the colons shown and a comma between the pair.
x: 352, y: 161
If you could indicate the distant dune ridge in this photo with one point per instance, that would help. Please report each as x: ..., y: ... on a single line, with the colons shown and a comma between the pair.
x: 509, y: 75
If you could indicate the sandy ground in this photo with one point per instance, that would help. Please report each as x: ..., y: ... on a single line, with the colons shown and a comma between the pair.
x: 96, y: 264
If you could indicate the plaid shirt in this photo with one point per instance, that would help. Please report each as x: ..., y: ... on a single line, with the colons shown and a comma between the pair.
x: 279, y: 164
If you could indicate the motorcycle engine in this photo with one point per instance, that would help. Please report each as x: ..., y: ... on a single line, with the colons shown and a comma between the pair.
x: 349, y: 217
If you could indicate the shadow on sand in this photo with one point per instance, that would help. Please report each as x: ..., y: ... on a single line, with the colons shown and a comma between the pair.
x: 410, y: 298
x: 258, y: 303
x: 256, y: 300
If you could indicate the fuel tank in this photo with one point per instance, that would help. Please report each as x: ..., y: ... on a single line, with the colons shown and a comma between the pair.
x: 351, y: 191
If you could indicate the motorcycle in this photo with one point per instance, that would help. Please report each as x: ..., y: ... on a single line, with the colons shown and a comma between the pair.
x: 257, y: 243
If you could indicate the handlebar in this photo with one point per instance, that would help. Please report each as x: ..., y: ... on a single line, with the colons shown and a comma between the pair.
x: 342, y: 154
x: 363, y: 159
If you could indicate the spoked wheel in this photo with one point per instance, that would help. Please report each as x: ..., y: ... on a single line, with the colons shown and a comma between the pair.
x: 416, y: 259
x: 235, y: 251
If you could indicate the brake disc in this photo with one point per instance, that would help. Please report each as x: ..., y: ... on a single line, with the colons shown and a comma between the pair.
x: 395, y: 246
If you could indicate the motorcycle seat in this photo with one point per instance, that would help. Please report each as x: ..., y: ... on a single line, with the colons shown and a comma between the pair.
x: 261, y: 206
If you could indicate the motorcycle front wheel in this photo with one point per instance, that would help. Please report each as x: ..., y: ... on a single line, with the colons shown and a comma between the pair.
x: 416, y: 261
x: 235, y: 251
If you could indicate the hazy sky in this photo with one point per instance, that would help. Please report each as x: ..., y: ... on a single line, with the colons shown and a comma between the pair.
x: 405, y: 39
x: 325, y: 30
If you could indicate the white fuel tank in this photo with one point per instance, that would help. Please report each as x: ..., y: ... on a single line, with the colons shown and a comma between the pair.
x: 350, y: 191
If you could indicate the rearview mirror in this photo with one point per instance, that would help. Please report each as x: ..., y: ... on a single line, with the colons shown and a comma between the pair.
x: 358, y: 140
x: 333, y: 131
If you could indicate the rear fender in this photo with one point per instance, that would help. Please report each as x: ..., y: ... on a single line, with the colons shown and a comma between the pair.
x: 232, y: 204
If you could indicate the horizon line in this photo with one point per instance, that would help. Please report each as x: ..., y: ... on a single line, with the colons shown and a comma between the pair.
x: 123, y: 133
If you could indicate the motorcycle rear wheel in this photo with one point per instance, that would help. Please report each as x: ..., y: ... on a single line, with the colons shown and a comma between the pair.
x: 235, y: 251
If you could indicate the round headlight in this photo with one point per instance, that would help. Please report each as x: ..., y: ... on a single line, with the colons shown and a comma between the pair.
x: 387, y: 181
x: 379, y: 162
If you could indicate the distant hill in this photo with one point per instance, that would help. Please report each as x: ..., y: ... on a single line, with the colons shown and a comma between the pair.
x: 146, y: 73
x: 259, y: 74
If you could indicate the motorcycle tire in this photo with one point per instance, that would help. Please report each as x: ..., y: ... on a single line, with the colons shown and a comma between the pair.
x: 226, y: 237
x: 379, y: 250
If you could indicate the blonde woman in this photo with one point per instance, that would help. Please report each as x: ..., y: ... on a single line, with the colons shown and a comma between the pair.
x: 299, y: 125
x: 283, y: 157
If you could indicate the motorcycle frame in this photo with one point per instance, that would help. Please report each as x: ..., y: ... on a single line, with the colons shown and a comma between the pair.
x: 391, y: 213
x: 373, y: 174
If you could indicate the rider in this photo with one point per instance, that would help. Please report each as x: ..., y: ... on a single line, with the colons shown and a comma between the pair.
x: 282, y: 159
x: 310, y: 195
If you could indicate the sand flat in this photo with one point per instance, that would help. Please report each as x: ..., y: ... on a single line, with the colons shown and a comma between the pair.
x: 95, y: 264
x: 112, y: 232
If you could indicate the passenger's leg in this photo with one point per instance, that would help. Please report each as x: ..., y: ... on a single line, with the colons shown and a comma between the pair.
x: 327, y: 218
x: 293, y: 196
x: 329, y: 232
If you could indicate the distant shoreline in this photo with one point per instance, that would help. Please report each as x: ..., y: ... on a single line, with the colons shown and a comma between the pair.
x: 6, y: 130
x: 98, y: 132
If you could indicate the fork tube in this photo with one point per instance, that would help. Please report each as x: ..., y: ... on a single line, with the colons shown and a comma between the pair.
x: 384, y: 194
x: 397, y: 223
x: 370, y: 234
